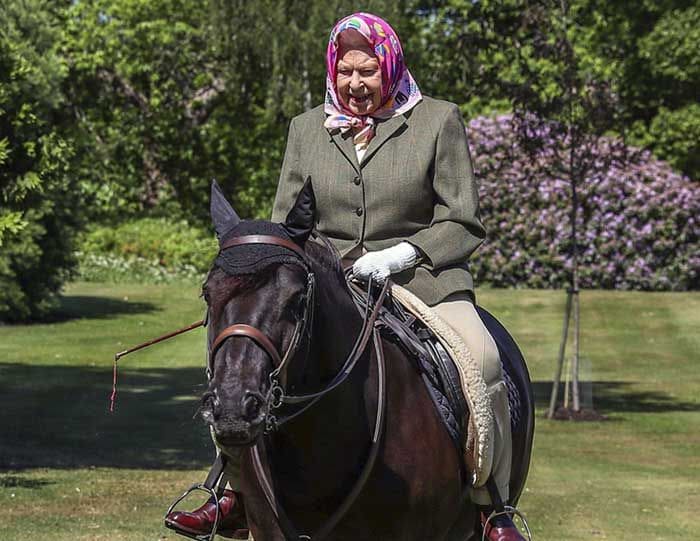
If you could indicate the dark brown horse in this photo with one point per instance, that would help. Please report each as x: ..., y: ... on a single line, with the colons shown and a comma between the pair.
x: 415, y: 489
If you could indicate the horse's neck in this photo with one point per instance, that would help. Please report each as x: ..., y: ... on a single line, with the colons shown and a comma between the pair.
x: 336, y: 326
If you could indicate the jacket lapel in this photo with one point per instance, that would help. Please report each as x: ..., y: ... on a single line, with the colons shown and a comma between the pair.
x: 384, y: 130
x: 346, y: 147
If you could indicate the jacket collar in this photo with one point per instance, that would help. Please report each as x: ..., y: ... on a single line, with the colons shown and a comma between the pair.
x: 384, y: 130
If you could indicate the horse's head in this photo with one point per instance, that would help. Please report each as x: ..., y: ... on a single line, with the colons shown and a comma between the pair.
x: 257, y: 293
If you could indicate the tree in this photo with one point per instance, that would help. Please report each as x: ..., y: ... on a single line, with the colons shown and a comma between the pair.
x: 564, y: 92
x: 539, y: 59
x: 461, y: 52
x: 40, y: 198
x: 144, y: 81
x: 170, y: 93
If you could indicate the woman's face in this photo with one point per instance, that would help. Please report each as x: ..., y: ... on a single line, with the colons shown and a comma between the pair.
x: 359, y: 78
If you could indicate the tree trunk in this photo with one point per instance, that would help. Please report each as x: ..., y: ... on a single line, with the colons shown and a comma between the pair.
x: 556, y: 382
x: 154, y: 179
x: 574, y: 286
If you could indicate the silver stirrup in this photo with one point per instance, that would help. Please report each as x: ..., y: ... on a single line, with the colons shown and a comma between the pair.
x: 212, y: 493
x: 510, y: 511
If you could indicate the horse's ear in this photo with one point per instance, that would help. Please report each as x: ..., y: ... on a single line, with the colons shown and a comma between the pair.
x: 223, y: 217
x: 300, y: 220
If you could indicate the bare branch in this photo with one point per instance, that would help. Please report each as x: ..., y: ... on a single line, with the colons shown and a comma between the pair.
x: 125, y: 88
x: 201, y: 104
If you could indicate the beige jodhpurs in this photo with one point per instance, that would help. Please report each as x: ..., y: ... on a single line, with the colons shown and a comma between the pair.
x: 459, y: 312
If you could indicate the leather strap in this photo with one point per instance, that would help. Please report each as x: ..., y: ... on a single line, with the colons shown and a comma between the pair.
x: 265, y: 239
x: 214, y: 475
x: 354, y: 356
x: 241, y: 329
x: 329, y: 525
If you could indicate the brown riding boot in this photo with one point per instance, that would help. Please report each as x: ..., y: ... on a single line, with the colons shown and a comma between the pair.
x: 500, y: 528
x: 232, y: 522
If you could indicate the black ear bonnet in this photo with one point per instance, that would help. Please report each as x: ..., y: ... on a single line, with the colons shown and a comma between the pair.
x: 252, y: 258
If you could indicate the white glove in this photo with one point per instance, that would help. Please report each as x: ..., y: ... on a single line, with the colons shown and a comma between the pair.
x: 379, y: 265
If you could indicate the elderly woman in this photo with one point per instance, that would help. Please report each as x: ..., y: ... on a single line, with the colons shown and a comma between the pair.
x: 396, y: 195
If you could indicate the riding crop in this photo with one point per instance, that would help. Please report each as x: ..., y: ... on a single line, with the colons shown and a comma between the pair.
x: 117, y: 356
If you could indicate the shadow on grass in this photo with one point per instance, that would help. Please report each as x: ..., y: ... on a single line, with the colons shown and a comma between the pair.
x: 13, y: 481
x: 84, y: 307
x: 618, y: 397
x: 57, y: 417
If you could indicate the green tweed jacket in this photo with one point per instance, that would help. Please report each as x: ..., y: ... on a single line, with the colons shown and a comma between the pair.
x: 415, y: 184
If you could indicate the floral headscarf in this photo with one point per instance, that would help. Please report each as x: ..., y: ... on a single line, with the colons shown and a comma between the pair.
x: 400, y: 92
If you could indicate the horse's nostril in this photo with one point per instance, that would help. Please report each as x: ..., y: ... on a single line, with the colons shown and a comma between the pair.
x: 211, y: 403
x: 252, y: 405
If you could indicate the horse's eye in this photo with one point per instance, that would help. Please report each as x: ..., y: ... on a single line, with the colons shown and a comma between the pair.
x: 296, y: 305
x: 301, y: 303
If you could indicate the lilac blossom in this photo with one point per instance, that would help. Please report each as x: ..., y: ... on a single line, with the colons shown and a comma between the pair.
x: 638, y: 222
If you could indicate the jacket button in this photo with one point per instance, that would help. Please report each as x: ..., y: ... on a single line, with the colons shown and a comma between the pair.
x: 357, y: 181
x: 359, y: 211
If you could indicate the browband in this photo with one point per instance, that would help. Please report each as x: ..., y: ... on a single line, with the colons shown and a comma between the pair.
x: 265, y: 239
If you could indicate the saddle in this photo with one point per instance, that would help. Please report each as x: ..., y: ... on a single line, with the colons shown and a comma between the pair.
x: 455, y: 386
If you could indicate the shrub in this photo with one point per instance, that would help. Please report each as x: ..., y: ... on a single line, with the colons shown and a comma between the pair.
x: 638, y: 225
x: 146, y: 250
x: 39, y: 197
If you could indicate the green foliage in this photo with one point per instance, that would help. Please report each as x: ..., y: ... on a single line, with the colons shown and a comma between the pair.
x: 671, y: 48
x: 38, y: 196
x: 143, y: 80
x: 674, y: 134
x: 654, y: 48
x: 171, y: 93
x: 117, y: 109
x: 148, y: 250
x: 483, y: 55
x: 459, y: 51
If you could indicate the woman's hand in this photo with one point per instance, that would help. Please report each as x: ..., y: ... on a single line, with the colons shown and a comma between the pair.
x: 379, y: 265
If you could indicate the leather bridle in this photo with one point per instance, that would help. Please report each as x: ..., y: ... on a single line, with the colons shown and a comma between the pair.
x: 276, y: 395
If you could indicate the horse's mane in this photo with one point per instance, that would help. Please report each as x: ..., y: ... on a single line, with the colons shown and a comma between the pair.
x: 325, y: 257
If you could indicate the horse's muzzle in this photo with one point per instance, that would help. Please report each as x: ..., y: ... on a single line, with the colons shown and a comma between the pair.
x: 236, y: 424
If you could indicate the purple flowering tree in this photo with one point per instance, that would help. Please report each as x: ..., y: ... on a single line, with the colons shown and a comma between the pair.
x: 638, y: 224
x: 578, y: 183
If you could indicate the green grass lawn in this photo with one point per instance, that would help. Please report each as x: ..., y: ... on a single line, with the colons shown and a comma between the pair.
x: 71, y: 470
